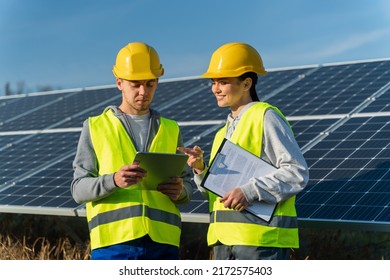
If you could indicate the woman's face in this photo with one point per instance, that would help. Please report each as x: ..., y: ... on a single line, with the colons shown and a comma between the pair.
x: 231, y: 92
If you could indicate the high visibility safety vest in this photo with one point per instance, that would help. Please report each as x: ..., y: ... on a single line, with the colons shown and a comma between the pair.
x: 231, y: 227
x: 130, y: 213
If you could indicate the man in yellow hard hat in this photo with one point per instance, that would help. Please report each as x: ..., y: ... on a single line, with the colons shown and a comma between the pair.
x: 126, y: 218
x: 261, y: 129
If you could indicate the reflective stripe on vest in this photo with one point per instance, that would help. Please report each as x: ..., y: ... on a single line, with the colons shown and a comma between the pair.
x: 231, y: 227
x: 134, y: 211
x: 130, y: 213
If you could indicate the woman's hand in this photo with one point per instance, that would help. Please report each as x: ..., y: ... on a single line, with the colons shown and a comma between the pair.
x: 195, y: 158
x: 235, y: 199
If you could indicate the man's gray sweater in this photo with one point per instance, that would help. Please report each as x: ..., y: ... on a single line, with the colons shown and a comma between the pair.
x: 87, y: 185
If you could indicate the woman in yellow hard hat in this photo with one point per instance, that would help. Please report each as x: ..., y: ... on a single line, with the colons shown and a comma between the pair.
x: 261, y: 129
x: 127, y: 217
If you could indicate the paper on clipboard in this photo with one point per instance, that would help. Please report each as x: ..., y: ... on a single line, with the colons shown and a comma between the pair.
x: 160, y: 167
x: 233, y: 166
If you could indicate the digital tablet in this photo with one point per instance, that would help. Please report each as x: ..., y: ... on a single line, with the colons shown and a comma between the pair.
x: 160, y: 167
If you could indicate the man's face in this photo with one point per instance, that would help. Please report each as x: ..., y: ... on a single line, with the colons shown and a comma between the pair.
x: 136, y: 95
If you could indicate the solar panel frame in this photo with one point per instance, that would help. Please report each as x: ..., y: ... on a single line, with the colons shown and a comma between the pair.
x: 331, y: 108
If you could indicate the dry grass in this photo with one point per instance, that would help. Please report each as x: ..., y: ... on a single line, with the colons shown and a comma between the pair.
x: 28, y: 237
x: 41, y: 249
x: 343, y: 244
x: 31, y: 237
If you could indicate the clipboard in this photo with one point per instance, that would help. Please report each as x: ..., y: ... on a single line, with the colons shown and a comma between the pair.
x: 160, y: 167
x: 233, y: 166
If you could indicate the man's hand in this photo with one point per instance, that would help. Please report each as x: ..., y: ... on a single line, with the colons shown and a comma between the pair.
x: 129, y: 175
x: 172, y: 188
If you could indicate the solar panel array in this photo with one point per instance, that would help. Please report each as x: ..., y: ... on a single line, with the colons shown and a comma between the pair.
x: 339, y: 113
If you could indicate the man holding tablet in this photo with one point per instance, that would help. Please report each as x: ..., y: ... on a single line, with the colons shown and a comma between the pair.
x: 128, y: 219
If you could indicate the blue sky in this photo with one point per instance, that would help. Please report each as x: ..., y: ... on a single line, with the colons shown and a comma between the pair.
x: 71, y: 44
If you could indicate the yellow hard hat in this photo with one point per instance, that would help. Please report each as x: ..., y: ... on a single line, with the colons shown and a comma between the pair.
x: 137, y: 61
x: 233, y: 60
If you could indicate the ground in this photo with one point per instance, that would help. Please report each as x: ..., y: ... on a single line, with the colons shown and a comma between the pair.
x: 26, y: 237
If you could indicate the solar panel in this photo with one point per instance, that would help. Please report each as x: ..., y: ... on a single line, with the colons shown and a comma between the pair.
x: 15, y: 107
x: 348, y: 171
x: 305, y: 131
x: 37, y: 173
x: 339, y: 114
x: 337, y: 89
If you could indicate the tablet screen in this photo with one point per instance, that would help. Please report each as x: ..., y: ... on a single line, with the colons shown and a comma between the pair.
x: 160, y: 167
